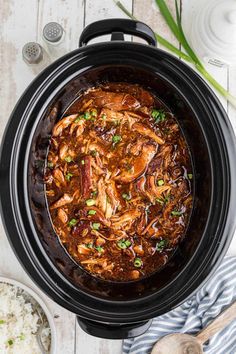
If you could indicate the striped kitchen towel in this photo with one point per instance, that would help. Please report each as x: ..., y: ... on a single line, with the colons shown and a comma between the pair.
x: 195, y: 314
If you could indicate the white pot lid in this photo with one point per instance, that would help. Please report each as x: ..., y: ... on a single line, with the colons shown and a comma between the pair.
x: 213, y: 30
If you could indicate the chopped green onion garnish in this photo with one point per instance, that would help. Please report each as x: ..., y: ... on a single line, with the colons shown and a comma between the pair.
x: 87, y: 115
x: 99, y: 249
x: 128, y: 243
x: 190, y: 176
x: 89, y: 245
x: 160, y: 182
x: 90, y: 202
x: 104, y: 117
x: 50, y: 164
x: 126, y: 196
x: 116, y: 139
x: 158, y: 115
x: 78, y: 119
x: 160, y: 201
x: 72, y: 222
x: 121, y: 244
x: 82, y: 162
x: 161, y: 245
x: 68, y: 176
x: 96, y: 225
x: 138, y: 262
x: 10, y: 342
x: 124, y: 244
x: 68, y: 159
x: 176, y: 213
x: 94, y: 153
x: 167, y: 198
x: 2, y: 321
x: 94, y: 193
x: 163, y: 200
x: 22, y: 336
x: 94, y: 113
x: 91, y: 212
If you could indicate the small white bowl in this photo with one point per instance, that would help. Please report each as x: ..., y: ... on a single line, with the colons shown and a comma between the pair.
x: 42, y: 305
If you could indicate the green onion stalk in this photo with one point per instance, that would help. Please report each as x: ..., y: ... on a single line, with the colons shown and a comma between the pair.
x: 190, y: 56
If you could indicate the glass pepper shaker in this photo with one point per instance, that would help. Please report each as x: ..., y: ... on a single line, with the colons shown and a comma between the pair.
x: 54, y: 36
x: 32, y: 53
x: 35, y: 56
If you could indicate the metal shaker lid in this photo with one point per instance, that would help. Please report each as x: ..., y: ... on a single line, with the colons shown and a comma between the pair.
x: 53, y: 32
x: 32, y: 53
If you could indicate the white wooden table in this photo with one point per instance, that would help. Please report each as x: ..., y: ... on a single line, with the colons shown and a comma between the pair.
x: 22, y: 21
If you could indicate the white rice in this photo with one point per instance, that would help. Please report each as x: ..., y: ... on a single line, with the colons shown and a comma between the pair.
x: 19, y: 322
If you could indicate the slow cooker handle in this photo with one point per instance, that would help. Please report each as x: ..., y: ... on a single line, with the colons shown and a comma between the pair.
x: 113, y: 331
x: 117, y: 27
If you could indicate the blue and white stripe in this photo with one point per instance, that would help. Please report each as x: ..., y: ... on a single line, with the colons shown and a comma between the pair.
x: 195, y: 314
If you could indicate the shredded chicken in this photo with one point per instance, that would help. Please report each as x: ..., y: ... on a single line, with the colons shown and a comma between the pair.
x: 100, y: 261
x: 62, y: 215
x: 156, y: 191
x: 141, y: 129
x: 63, y: 124
x: 80, y: 128
x: 115, y: 101
x: 86, y: 177
x: 65, y: 199
x: 58, y: 177
x: 118, y: 182
x: 118, y: 221
x: 110, y: 115
x: 113, y: 195
x: 150, y: 224
x: 140, y: 164
x: 63, y: 151
x: 102, y: 197
x: 82, y: 249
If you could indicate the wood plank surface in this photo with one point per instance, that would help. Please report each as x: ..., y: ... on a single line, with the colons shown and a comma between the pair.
x: 148, y: 12
x: 14, y: 33
x: 99, y: 10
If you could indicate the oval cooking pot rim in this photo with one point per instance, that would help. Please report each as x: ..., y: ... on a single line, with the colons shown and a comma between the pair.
x: 213, y: 257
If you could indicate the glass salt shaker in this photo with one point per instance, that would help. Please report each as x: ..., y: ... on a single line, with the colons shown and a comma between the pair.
x: 35, y: 56
x: 54, y: 37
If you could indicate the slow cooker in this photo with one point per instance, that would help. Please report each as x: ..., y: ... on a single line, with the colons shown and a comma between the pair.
x: 104, y: 308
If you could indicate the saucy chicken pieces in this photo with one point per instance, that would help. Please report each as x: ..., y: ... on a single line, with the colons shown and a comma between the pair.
x: 118, y: 182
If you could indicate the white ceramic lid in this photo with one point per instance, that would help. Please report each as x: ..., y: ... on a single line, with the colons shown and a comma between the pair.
x: 213, y: 30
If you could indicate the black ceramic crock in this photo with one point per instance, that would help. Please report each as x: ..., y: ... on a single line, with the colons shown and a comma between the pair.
x: 113, y: 309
